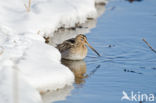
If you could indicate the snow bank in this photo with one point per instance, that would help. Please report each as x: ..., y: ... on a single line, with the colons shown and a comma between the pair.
x: 45, y: 15
x: 46, y: 72
x: 13, y: 87
x: 22, y: 47
x: 37, y: 61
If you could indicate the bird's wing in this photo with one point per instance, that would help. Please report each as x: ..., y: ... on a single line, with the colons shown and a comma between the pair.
x: 66, y: 45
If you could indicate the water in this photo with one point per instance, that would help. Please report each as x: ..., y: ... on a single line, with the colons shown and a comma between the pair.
x: 126, y: 64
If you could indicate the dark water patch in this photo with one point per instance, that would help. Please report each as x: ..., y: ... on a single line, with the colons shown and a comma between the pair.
x: 110, y: 46
x: 154, y: 68
x: 131, y: 1
x: 132, y: 71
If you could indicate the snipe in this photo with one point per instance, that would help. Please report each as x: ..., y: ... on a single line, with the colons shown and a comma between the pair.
x: 75, y: 48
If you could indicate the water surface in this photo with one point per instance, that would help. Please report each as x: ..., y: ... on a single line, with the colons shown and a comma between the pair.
x: 126, y: 64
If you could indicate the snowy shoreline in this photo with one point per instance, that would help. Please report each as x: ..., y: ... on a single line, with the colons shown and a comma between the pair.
x: 23, y: 48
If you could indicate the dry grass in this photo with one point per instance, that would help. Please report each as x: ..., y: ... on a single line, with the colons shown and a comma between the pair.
x: 28, y: 8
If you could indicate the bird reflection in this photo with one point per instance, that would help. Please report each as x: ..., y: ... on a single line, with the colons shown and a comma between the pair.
x: 78, y: 68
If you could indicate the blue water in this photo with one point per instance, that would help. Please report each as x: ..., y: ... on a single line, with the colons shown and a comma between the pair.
x: 126, y: 64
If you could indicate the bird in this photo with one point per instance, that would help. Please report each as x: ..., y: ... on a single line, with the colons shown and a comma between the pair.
x: 75, y: 48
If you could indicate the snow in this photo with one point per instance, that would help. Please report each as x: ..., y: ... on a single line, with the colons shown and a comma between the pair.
x: 39, y: 62
x: 14, y: 88
x: 48, y: 70
x: 23, y: 49
x: 45, y: 15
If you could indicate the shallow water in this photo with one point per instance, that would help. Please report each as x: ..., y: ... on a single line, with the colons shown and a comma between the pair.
x: 126, y: 64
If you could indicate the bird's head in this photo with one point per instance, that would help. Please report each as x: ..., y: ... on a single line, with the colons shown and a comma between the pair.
x: 83, y: 40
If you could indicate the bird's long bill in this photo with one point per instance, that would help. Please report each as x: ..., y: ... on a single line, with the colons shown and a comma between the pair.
x: 93, y: 49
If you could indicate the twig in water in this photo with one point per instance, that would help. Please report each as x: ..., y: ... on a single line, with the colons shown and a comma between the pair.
x: 28, y: 7
x: 149, y: 45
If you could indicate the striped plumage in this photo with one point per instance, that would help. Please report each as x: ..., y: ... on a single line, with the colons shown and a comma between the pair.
x: 75, y: 48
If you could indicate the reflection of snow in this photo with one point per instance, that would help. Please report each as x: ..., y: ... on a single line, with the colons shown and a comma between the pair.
x: 21, y: 46
x: 60, y: 95
x: 68, y: 33
x: 64, y: 34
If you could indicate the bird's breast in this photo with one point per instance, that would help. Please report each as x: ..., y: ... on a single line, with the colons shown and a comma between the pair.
x: 76, y: 53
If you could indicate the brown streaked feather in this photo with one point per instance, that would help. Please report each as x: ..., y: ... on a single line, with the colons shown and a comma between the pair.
x: 66, y: 45
x: 75, y: 48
